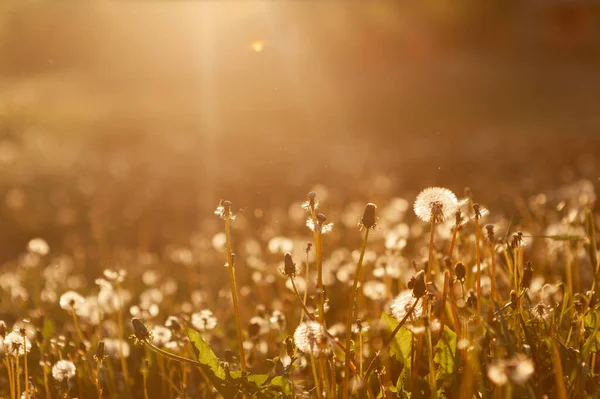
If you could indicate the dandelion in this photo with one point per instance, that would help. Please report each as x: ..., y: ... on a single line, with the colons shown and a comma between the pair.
x: 375, y: 290
x: 517, y: 369
x: 435, y: 203
x: 160, y: 335
x: 63, y: 370
x: 401, y: 305
x: 16, y: 344
x: 204, y: 320
x: 38, y: 246
x: 116, y: 275
x: 368, y: 220
x: 310, y: 337
x: 224, y: 210
x: 319, y: 225
x: 71, y: 301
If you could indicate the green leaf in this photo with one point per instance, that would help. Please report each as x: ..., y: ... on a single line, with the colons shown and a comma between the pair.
x: 401, y: 345
x: 211, y: 365
x: 445, y: 353
x: 226, y: 385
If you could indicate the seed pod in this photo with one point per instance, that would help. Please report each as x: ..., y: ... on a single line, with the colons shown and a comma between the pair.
x: 419, y: 287
x: 289, y: 268
x: 139, y: 329
x: 368, y: 219
x: 321, y: 218
x: 527, y: 276
x: 99, y: 351
x: 460, y: 270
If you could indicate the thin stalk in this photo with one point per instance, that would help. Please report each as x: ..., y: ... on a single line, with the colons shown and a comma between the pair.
x: 351, y: 315
x: 324, y: 381
x: 46, y: 382
x: 320, y: 286
x: 432, y: 383
x: 316, y: 377
x: 8, y: 364
x: 306, y: 288
x: 121, y: 337
x: 478, y: 262
x: 493, y: 271
x: 97, y: 380
x: 25, y: 366
x: 17, y: 376
x: 453, y: 240
x: 331, y: 364
x: 389, y: 340
x: 234, y: 295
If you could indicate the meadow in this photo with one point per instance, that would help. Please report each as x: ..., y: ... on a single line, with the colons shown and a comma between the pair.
x: 431, y: 296
x: 259, y: 199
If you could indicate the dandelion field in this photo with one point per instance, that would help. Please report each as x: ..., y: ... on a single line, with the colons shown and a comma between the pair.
x: 303, y: 200
x: 441, y: 298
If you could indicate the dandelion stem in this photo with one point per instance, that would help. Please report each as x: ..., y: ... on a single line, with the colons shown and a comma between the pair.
x: 25, y: 366
x: 493, y: 270
x: 121, y: 337
x: 8, y: 364
x: 432, y: 384
x: 17, y: 376
x: 389, y: 340
x: 170, y: 355
x: 234, y: 295
x: 351, y: 314
x: 315, y: 376
x: 306, y: 288
x: 478, y: 262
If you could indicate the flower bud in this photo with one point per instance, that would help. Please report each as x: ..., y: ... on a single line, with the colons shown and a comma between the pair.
x: 527, y: 275
x: 368, y: 219
x: 289, y: 268
x: 460, y: 270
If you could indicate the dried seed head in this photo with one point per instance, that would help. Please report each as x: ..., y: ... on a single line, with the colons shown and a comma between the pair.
x: 312, y: 195
x: 3, y: 328
x: 490, y: 232
x: 460, y: 271
x: 308, y: 247
x: 369, y: 220
x: 527, y: 275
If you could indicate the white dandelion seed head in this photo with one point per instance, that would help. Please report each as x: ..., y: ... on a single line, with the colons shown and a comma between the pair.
x: 438, y: 202
x: 310, y: 337
x: 114, y: 346
x: 71, y: 300
x: 375, y: 290
x: 38, y: 246
x: 402, y: 304
x: 16, y: 344
x: 117, y: 275
x: 204, y: 320
x: 161, y: 335
x: 63, y: 370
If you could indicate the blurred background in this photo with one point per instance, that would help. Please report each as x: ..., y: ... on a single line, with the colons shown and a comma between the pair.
x: 126, y: 122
